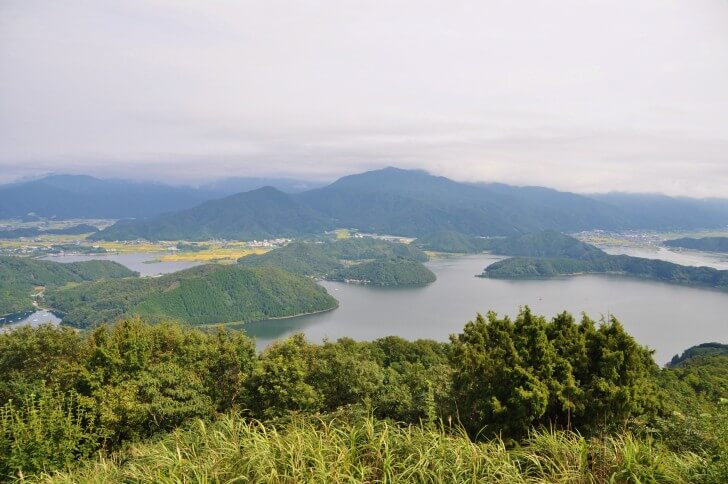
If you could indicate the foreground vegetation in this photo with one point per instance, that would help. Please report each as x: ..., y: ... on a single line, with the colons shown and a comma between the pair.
x: 370, y: 450
x: 523, y: 400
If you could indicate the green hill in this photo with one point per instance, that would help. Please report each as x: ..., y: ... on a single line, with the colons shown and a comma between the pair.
x: 708, y: 244
x: 259, y: 214
x: 548, y: 254
x: 454, y: 242
x: 363, y: 259
x: 201, y: 295
x: 364, y: 248
x: 392, y: 272
x: 20, y: 275
x: 699, y: 351
x: 547, y: 243
x: 304, y: 258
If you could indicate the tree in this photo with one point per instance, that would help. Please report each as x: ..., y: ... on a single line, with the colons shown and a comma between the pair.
x: 279, y: 381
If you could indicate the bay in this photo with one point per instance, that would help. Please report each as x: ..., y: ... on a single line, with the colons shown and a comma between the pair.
x: 666, y: 317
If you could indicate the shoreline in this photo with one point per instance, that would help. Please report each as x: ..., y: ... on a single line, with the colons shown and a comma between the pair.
x: 276, y: 318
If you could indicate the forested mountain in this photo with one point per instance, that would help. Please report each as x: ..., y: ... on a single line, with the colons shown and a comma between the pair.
x: 259, y: 214
x: 708, y: 244
x: 231, y: 186
x: 366, y: 260
x: 391, y: 200
x: 414, y: 203
x: 201, y: 295
x: 549, y: 254
x: 78, y: 196
x: 19, y: 276
x: 661, y: 212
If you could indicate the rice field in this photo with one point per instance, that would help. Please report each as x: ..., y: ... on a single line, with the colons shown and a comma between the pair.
x: 228, y: 254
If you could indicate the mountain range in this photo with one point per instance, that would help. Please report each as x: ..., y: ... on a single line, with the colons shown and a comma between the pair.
x: 391, y: 200
x: 81, y: 196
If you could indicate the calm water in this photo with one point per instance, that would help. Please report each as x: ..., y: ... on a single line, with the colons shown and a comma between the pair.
x: 34, y: 319
x: 136, y: 261
x: 682, y: 257
x: 665, y: 317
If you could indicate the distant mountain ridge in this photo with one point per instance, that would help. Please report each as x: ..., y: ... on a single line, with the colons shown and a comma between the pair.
x: 82, y: 196
x: 415, y: 203
x: 259, y: 214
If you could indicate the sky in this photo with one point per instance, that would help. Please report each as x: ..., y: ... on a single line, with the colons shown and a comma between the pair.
x: 579, y: 95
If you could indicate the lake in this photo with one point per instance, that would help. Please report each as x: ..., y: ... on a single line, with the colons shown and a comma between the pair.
x: 34, y: 319
x: 142, y: 262
x: 668, y: 318
x: 682, y: 257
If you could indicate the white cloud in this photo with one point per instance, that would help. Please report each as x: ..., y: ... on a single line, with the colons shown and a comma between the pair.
x: 578, y: 95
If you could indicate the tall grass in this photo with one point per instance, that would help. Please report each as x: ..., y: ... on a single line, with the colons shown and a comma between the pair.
x: 234, y: 449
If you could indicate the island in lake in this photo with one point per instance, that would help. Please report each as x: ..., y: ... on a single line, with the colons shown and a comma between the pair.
x: 362, y: 260
x: 707, y: 244
x: 549, y: 254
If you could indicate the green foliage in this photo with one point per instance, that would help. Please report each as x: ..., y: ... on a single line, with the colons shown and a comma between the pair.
x: 306, y: 259
x: 366, y: 248
x: 112, y: 389
x: 369, y: 260
x: 709, y: 244
x: 547, y: 243
x: 68, y: 395
x: 510, y: 376
x: 393, y: 272
x: 697, y: 417
x: 279, y: 381
x: 370, y: 450
x: 47, y: 431
x: 33, y: 358
x: 20, y: 275
x: 454, y: 242
x: 704, y: 349
x: 201, y: 295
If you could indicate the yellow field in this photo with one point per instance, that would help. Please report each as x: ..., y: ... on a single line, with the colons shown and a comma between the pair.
x: 228, y: 254
x: 134, y: 247
x: 342, y: 233
x: 45, y: 240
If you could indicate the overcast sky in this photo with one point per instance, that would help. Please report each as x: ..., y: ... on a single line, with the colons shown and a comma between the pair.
x: 581, y: 95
